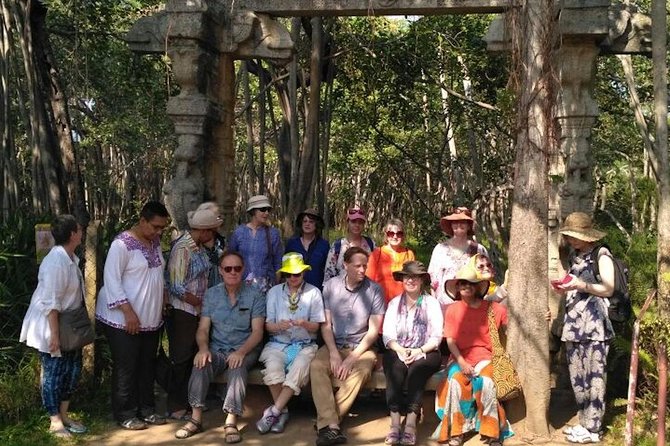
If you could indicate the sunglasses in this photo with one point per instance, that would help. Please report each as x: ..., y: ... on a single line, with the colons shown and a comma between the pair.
x: 462, y: 210
x: 292, y: 274
x: 462, y: 283
x: 391, y: 234
x: 236, y: 268
x: 264, y: 209
x: 485, y: 266
x: 353, y: 211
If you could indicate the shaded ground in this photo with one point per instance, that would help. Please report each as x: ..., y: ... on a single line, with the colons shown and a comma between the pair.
x: 367, y: 425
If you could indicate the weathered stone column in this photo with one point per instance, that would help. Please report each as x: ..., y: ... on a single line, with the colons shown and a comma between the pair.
x: 192, y: 111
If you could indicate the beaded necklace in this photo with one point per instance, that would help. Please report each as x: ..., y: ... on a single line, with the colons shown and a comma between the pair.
x: 294, y: 299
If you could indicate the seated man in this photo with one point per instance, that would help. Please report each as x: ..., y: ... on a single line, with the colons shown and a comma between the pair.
x: 235, y: 313
x: 354, y: 310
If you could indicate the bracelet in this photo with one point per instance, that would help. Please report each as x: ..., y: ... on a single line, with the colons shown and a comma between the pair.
x: 421, y: 348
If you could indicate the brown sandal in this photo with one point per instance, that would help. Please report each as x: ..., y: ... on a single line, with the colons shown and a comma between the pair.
x: 232, y: 436
x: 187, y: 432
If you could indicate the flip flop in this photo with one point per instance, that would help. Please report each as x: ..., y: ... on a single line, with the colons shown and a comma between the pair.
x: 76, y: 427
x: 60, y: 433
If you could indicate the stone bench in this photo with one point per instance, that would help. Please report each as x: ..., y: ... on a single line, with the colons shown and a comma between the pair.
x: 377, y: 380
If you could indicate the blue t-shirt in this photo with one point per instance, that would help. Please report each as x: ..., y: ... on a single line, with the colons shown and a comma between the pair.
x: 315, y: 256
x: 231, y: 325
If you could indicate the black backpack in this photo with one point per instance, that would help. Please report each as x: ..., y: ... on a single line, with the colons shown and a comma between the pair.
x: 621, y: 307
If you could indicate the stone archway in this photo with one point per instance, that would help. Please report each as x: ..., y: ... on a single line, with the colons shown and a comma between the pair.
x: 204, y: 37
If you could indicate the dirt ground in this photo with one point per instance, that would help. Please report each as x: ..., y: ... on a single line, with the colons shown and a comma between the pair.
x: 367, y: 425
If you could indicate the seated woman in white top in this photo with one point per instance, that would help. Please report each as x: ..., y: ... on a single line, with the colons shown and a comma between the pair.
x: 59, y: 288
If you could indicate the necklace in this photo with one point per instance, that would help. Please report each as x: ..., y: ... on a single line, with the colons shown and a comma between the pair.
x: 294, y: 299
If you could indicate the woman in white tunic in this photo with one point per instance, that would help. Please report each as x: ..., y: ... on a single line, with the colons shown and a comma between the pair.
x: 129, y: 309
x: 59, y: 288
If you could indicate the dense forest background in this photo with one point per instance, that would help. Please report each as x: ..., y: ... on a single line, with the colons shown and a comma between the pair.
x: 415, y: 117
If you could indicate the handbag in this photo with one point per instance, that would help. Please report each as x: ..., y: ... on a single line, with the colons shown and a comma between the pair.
x: 508, y: 384
x: 75, y: 329
x: 168, y: 374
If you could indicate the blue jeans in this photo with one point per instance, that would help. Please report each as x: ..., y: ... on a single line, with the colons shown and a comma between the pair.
x: 60, y: 376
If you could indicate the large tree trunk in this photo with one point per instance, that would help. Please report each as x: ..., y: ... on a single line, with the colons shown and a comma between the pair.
x: 528, y: 254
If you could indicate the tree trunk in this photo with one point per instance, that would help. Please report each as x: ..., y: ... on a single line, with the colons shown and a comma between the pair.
x: 248, y: 117
x: 528, y: 254
x: 660, y: 70
x: 262, y: 104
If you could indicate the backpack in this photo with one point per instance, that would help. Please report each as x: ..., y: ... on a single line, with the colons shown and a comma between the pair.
x: 338, y: 246
x: 621, y: 307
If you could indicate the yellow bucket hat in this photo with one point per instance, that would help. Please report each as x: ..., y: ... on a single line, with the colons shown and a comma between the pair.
x: 292, y: 263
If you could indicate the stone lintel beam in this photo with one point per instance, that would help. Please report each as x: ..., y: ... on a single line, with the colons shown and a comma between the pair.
x: 312, y: 8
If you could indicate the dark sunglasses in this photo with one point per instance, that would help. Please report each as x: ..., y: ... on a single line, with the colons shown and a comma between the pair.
x: 236, y: 268
x: 292, y: 275
x: 464, y: 283
x: 486, y: 265
x: 353, y: 211
x: 264, y: 209
x: 391, y: 234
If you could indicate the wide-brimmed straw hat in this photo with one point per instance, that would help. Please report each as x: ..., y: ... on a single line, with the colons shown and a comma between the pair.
x: 257, y: 202
x: 470, y: 274
x: 580, y: 226
x: 203, y: 218
x: 293, y: 263
x: 411, y: 268
x: 459, y: 214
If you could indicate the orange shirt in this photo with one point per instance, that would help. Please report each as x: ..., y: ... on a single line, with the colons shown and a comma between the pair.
x: 469, y: 328
x: 381, y: 264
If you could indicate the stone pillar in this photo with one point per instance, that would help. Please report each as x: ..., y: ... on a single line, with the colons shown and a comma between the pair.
x: 192, y: 111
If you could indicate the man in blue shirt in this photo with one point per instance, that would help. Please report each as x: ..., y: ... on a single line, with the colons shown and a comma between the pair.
x: 235, y: 314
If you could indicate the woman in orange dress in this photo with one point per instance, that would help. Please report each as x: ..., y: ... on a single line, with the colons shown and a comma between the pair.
x: 389, y: 258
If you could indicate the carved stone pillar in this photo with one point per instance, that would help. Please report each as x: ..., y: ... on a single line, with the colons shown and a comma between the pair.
x: 192, y: 111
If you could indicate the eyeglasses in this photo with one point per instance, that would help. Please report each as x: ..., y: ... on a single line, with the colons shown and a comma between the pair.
x: 292, y: 274
x: 236, y: 268
x: 264, y: 209
x: 412, y: 277
x: 462, y: 283
x: 485, y: 266
x: 391, y: 234
x: 353, y: 211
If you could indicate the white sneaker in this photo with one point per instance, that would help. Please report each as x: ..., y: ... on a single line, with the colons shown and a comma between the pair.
x: 568, y: 430
x: 581, y: 435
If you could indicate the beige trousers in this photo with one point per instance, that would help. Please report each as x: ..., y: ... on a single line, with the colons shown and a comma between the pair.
x: 332, y: 406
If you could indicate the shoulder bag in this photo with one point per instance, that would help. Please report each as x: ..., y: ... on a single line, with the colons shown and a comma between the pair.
x: 75, y: 326
x: 508, y: 384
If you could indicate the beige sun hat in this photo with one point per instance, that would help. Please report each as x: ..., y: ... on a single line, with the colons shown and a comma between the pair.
x: 469, y: 273
x: 293, y: 263
x: 580, y: 226
x: 203, y: 218
x: 258, y: 202
x: 459, y: 214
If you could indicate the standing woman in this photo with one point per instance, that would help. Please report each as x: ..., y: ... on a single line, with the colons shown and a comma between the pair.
x: 188, y: 277
x: 294, y: 315
x: 59, y: 288
x: 129, y: 311
x: 259, y: 243
x: 311, y: 245
x: 388, y: 258
x: 412, y: 335
x: 450, y: 256
x: 587, y: 330
x: 355, y: 225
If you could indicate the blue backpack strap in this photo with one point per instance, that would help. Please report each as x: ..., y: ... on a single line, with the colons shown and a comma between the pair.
x: 338, y: 247
x: 371, y: 244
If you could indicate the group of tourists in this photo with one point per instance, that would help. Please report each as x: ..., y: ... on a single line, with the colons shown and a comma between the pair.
x: 311, y: 313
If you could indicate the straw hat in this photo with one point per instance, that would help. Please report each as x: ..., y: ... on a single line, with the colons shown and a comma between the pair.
x: 292, y: 263
x: 580, y: 226
x: 257, y: 202
x: 411, y: 268
x: 203, y: 218
x: 470, y: 274
x: 459, y: 214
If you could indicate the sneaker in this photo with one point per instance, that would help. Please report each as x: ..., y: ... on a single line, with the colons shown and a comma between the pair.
x: 267, y: 420
x: 583, y: 436
x: 154, y: 419
x: 329, y: 436
x: 280, y: 425
x: 568, y: 430
x: 133, y: 424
